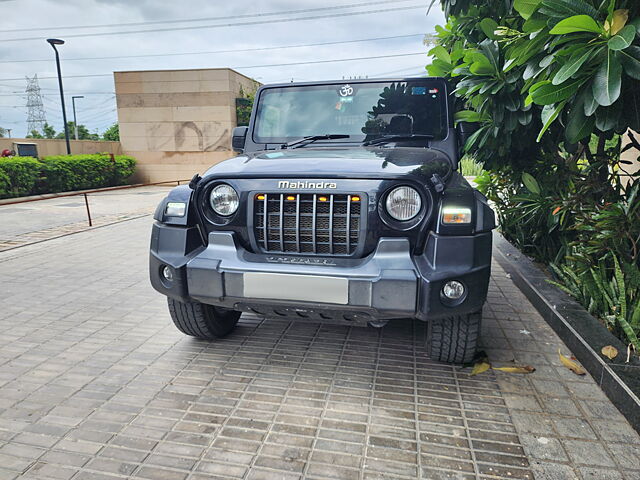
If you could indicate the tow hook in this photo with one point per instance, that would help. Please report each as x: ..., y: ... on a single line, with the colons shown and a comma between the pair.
x: 438, y: 183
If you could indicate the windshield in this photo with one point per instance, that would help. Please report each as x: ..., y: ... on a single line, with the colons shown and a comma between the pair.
x: 364, y: 111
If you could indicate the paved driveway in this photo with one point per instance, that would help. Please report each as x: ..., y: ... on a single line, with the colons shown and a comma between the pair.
x: 25, y: 218
x: 96, y: 383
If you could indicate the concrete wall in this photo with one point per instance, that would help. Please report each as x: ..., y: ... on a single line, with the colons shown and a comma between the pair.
x: 177, y: 122
x: 48, y: 147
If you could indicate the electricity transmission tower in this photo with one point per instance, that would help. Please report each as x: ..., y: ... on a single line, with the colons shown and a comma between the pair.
x: 35, y: 109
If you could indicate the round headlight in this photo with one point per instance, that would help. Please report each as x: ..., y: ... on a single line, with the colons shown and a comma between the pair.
x: 224, y: 200
x: 403, y: 203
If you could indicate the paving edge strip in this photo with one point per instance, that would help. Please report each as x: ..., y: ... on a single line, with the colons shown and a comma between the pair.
x: 578, y: 329
x: 81, y: 230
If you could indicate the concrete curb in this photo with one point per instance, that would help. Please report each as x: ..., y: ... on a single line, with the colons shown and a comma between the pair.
x: 582, y: 332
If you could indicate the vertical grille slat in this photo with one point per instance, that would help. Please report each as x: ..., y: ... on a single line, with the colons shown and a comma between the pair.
x: 315, y: 239
x: 331, y: 224
x: 265, y: 221
x: 298, y: 223
x: 282, y: 222
x: 308, y: 223
x: 347, y: 230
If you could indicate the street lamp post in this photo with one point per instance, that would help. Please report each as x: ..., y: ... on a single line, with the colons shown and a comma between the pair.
x: 75, y: 121
x: 53, y: 42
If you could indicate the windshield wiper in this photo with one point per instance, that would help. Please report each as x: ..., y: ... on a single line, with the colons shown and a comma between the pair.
x: 312, y: 138
x: 393, y: 138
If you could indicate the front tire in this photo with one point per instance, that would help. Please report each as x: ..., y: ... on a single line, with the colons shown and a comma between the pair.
x: 201, y: 320
x: 454, y: 339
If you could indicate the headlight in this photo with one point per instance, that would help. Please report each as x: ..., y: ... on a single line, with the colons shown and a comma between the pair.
x: 224, y: 200
x: 403, y: 203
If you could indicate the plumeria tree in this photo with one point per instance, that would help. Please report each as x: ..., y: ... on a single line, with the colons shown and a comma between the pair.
x: 555, y: 87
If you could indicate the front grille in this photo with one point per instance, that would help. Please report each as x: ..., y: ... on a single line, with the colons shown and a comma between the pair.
x: 308, y: 223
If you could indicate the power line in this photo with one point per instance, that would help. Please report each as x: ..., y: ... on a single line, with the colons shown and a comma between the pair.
x: 118, y: 57
x: 251, y: 66
x: 225, y: 25
x: 205, y: 19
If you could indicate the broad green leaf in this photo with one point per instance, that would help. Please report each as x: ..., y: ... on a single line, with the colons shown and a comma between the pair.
x: 538, y: 85
x: 489, y: 27
x: 491, y: 50
x: 566, y: 8
x: 467, y: 116
x: 528, y: 100
x: 607, y: 118
x: 577, y: 23
x: 441, y: 54
x: 526, y: 7
x: 608, y: 81
x: 623, y: 39
x: 546, y: 61
x: 435, y: 71
x: 530, y: 183
x: 630, y: 59
x: 572, y: 66
x: 579, y: 126
x: 549, y: 115
x: 481, y: 65
x: 549, y: 94
x: 620, y: 18
x: 590, y: 104
x: 534, y: 24
x: 636, y: 23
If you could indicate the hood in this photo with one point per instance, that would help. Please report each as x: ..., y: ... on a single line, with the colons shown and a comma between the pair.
x: 327, y: 162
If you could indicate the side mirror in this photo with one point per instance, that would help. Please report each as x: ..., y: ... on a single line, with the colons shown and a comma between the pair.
x: 465, y: 131
x: 238, y: 138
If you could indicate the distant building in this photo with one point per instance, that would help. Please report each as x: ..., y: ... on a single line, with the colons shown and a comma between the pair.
x: 178, y: 122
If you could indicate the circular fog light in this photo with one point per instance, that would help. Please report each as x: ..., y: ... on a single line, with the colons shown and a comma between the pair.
x: 167, y: 273
x: 453, y: 290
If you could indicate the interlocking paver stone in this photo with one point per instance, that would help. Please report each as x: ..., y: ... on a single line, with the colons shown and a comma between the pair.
x: 96, y: 383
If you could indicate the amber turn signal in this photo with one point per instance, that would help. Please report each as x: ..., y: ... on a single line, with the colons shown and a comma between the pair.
x: 355, y: 198
x: 260, y: 197
x: 322, y: 199
x: 456, y: 216
x: 291, y: 198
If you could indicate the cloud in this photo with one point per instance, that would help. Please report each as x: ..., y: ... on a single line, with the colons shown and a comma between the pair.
x: 97, y: 109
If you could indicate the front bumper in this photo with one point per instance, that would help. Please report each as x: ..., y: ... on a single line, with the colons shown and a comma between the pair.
x: 389, y: 283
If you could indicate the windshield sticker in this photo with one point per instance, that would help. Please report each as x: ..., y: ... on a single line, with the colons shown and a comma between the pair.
x: 346, y: 91
x: 419, y: 91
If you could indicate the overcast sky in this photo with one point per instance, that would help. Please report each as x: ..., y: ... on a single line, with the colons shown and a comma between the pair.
x: 27, y: 23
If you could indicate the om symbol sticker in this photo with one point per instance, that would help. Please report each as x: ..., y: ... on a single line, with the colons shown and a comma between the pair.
x: 346, y: 91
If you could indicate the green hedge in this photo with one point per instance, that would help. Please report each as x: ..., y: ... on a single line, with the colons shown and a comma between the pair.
x: 21, y: 176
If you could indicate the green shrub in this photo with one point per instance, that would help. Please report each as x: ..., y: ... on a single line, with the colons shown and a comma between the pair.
x: 83, y: 172
x: 470, y: 168
x: 19, y: 176
x: 5, y: 185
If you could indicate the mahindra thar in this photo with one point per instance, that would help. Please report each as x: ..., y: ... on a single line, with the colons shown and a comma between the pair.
x: 343, y: 205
